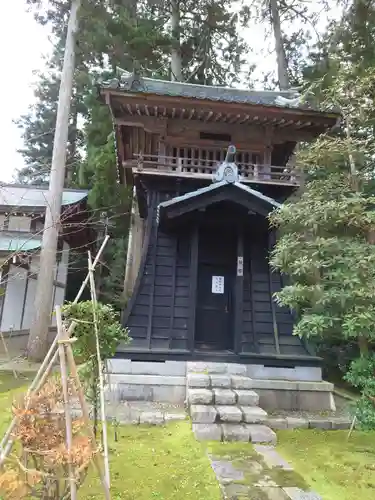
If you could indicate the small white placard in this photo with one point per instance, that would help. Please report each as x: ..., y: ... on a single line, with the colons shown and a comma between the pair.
x: 239, y: 266
x: 217, y: 284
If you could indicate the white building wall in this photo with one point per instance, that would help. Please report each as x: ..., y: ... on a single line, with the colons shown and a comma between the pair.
x: 14, y: 299
x: 18, y: 309
x: 29, y: 304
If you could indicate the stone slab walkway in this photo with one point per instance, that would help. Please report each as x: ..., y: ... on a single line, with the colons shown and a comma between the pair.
x: 257, y: 474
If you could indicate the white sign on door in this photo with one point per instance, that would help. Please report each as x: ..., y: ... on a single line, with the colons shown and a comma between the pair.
x: 239, y: 266
x: 217, y: 284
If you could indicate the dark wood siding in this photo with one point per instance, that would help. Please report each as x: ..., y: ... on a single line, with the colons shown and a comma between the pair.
x: 159, y: 315
x: 289, y: 343
x: 161, y: 312
x: 267, y: 328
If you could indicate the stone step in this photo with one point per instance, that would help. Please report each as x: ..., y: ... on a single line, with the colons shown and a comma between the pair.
x: 228, y: 414
x: 255, y: 433
x: 215, y: 368
x: 218, y: 381
x: 205, y: 396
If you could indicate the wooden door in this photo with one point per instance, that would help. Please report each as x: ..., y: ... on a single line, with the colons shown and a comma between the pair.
x: 214, y: 308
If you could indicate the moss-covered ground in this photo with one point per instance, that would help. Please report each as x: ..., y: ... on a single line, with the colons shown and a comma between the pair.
x: 332, y: 465
x: 161, y: 463
x: 166, y: 463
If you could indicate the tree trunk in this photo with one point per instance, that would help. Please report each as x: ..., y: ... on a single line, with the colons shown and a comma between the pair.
x: 176, y: 63
x: 37, y: 342
x: 72, y: 147
x: 282, y: 63
x: 363, y: 345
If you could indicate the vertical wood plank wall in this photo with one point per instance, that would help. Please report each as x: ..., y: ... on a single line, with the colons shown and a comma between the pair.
x: 162, y: 314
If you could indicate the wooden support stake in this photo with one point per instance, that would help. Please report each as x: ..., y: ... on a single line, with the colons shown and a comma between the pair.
x: 94, y: 264
x: 100, y: 368
x: 86, y: 416
x: 47, y: 363
x: 352, y: 426
x: 7, y: 353
x: 68, y: 414
x: 37, y: 383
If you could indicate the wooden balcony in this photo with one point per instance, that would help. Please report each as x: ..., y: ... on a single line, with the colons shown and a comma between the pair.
x: 204, y: 169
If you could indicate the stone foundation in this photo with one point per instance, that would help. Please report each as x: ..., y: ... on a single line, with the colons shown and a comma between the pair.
x: 299, y: 388
x: 147, y: 381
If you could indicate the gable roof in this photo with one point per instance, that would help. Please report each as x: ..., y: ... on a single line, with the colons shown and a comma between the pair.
x: 218, y: 191
x: 26, y: 196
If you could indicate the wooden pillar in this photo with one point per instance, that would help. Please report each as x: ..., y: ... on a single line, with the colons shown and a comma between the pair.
x: 4, y: 268
x: 25, y: 296
x: 238, y: 323
x: 135, y: 240
x: 267, y: 160
x: 193, y: 284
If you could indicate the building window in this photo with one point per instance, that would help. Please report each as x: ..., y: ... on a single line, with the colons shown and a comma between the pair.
x: 19, y: 223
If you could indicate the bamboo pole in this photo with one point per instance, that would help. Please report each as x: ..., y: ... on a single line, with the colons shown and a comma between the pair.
x: 36, y: 384
x: 94, y: 264
x: 48, y: 362
x: 7, y: 353
x: 100, y: 369
x: 354, y: 421
x: 86, y: 416
x: 68, y: 414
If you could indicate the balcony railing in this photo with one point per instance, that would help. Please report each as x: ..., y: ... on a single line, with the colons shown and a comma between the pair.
x: 204, y: 169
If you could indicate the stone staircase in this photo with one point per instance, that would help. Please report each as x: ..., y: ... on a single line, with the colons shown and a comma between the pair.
x: 223, y: 407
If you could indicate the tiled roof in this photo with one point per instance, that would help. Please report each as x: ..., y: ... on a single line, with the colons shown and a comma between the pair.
x: 16, y: 243
x: 136, y: 84
x: 19, y: 196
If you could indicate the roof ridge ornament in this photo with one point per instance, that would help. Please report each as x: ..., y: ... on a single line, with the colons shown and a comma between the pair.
x: 132, y: 81
x: 227, y: 170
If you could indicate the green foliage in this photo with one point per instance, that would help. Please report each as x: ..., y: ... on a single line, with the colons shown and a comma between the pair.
x: 327, y: 233
x: 111, y: 200
x: 362, y: 375
x: 110, y: 333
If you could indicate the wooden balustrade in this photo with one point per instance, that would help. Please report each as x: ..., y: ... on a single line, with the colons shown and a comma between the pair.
x: 204, y: 168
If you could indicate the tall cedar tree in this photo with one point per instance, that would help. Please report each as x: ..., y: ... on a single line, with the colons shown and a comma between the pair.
x: 119, y: 34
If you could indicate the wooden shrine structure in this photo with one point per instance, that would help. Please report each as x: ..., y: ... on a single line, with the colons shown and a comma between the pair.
x: 207, y: 165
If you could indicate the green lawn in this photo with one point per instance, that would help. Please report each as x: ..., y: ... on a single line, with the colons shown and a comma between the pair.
x: 161, y: 463
x: 166, y: 463
x: 334, y: 467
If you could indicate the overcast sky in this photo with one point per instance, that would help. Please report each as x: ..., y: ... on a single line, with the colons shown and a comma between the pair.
x: 23, y: 43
